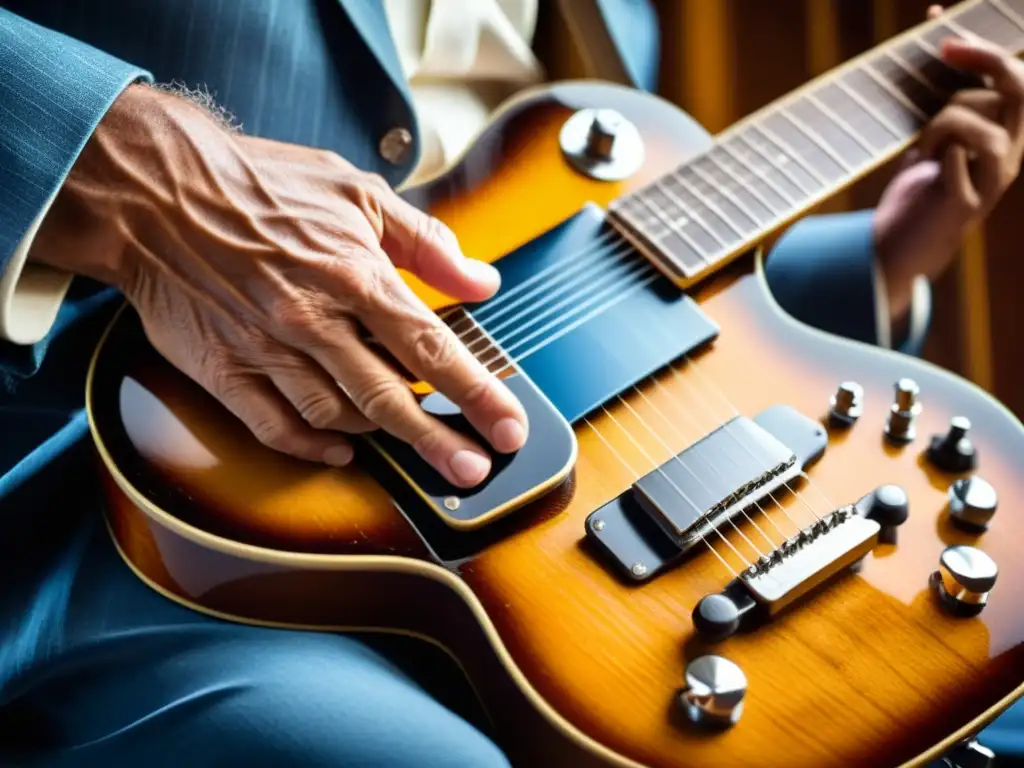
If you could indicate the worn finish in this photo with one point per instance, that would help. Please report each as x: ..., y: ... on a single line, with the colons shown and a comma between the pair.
x: 578, y: 667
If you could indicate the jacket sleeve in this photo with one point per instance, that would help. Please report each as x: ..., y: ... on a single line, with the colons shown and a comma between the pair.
x: 53, y: 92
x: 823, y: 272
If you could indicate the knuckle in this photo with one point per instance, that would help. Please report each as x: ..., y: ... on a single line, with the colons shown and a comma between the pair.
x: 481, y: 394
x: 274, y: 432
x: 433, y: 346
x: 364, y: 282
x: 320, y: 409
x: 381, y: 399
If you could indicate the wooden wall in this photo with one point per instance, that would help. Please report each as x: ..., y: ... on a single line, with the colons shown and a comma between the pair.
x: 723, y: 59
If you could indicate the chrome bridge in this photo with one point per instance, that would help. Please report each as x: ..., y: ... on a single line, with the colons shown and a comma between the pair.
x: 821, y: 551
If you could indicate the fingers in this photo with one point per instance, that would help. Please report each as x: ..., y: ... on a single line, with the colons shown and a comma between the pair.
x: 1006, y: 73
x: 956, y: 176
x: 386, y: 399
x: 984, y: 141
x: 426, y: 247
x: 317, y: 398
x: 275, y: 422
x: 430, y: 349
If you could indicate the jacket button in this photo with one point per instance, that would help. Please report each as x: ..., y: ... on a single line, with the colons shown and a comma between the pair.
x: 395, y: 145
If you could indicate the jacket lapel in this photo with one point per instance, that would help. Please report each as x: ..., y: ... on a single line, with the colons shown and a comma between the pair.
x: 370, y: 20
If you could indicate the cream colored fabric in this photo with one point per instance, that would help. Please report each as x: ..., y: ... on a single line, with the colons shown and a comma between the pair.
x: 30, y: 294
x: 462, y: 58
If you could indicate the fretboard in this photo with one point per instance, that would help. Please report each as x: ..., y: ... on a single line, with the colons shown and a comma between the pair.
x: 788, y: 157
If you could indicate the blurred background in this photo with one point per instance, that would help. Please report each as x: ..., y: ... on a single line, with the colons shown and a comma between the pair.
x: 723, y: 59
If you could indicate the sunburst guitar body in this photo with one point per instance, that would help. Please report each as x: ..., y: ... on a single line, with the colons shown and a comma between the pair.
x: 708, y: 552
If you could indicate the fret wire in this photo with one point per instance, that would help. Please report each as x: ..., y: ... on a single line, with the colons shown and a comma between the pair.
x: 757, y: 172
x: 788, y: 151
x: 915, y: 73
x: 927, y: 47
x: 841, y: 122
x: 781, y: 167
x: 953, y: 24
x: 1008, y: 12
x: 724, y: 190
x: 694, y: 216
x: 891, y: 87
x: 816, y: 138
x: 869, y: 107
x: 708, y: 202
x: 673, y: 227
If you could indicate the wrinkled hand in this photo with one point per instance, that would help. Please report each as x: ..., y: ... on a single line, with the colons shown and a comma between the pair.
x: 964, y: 160
x: 254, y: 265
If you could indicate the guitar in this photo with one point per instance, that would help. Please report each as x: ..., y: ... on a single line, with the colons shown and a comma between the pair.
x: 729, y: 540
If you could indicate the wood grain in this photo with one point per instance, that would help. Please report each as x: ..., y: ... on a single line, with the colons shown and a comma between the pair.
x: 868, y: 672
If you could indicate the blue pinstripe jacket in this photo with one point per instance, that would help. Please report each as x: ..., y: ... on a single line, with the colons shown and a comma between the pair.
x: 287, y: 70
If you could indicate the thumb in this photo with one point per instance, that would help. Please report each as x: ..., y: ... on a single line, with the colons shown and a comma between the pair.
x: 426, y: 247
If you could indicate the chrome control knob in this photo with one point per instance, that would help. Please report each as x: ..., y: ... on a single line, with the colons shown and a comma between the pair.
x: 899, y: 427
x: 954, y: 451
x: 714, y: 692
x: 965, y: 577
x: 847, y: 404
x: 972, y: 502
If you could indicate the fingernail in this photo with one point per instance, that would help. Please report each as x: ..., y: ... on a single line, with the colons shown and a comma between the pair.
x: 508, y: 435
x: 469, y: 467
x: 480, y: 271
x: 338, y: 455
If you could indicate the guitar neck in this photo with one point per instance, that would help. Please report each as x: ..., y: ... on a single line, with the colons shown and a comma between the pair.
x: 783, y: 160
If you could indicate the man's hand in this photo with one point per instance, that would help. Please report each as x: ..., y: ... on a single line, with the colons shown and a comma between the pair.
x: 964, y: 161
x: 254, y: 265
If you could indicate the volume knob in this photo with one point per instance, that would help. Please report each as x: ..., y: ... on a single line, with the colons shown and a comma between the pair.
x: 964, y: 579
x: 954, y: 451
x: 847, y: 404
x: 714, y: 692
x: 972, y: 502
x: 899, y: 427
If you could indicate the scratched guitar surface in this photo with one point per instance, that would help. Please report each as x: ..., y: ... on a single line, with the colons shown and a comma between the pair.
x: 868, y: 672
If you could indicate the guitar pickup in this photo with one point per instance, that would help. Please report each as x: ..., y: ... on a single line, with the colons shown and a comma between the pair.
x: 668, y: 511
x: 715, y: 479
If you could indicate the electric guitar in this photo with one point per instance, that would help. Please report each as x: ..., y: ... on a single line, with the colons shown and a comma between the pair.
x: 729, y: 540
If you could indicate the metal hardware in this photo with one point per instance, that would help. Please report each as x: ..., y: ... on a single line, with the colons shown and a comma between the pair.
x: 899, y: 427
x: 714, y: 692
x: 846, y: 405
x: 599, y: 525
x: 602, y: 144
x: 639, y: 569
x: 970, y: 754
x: 839, y: 541
x: 890, y: 507
x: 451, y: 502
x: 972, y: 502
x: 954, y: 451
x: 965, y: 577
